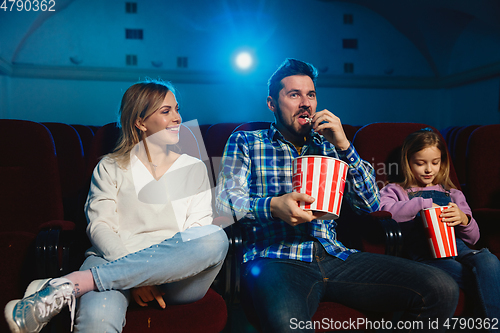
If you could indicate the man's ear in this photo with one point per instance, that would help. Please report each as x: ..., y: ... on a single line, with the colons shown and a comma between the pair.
x: 139, y: 123
x: 271, y: 104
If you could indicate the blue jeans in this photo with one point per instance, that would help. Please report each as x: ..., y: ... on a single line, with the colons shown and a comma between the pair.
x: 285, y: 292
x: 478, y: 273
x: 183, y: 267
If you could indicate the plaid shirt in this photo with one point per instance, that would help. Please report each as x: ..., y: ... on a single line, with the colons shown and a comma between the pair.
x: 256, y: 166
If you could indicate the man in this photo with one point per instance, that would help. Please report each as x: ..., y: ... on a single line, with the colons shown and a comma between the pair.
x: 292, y: 261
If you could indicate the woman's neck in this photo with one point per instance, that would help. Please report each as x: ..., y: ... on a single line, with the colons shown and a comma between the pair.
x: 158, y: 159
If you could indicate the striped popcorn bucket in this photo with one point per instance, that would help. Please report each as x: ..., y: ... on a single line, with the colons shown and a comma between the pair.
x: 323, y: 178
x: 441, y: 237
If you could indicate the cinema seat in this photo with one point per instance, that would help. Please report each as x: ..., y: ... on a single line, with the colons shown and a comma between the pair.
x: 215, y: 140
x: 380, y: 144
x: 71, y: 162
x: 86, y: 136
x: 483, y: 183
x: 31, y: 209
x: 458, y: 155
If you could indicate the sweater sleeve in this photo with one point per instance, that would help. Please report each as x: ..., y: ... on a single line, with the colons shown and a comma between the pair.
x: 394, y: 199
x: 102, y: 216
x: 468, y: 233
x: 199, y: 212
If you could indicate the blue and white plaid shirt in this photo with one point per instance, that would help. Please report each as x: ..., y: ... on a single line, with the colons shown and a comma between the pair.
x: 256, y: 166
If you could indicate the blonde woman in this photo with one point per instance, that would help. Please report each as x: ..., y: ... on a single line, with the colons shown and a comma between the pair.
x: 149, y: 221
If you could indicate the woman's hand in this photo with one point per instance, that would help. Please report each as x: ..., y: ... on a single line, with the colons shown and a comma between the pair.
x: 453, y: 216
x: 142, y: 295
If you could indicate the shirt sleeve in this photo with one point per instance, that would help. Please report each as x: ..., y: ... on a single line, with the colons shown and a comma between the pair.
x: 100, y: 209
x: 468, y: 233
x: 394, y: 200
x: 233, y: 184
x: 361, y: 189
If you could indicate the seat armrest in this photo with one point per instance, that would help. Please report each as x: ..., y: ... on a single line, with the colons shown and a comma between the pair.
x: 52, y: 248
x: 224, y: 282
x: 392, y: 232
x: 375, y: 232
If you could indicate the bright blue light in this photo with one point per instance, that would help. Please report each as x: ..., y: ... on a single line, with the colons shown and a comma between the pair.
x: 255, y: 271
x: 244, y: 60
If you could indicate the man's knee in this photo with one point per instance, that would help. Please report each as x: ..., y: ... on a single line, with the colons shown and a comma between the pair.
x: 442, y: 290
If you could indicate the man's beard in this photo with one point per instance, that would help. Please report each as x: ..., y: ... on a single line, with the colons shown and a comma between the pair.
x: 290, y: 127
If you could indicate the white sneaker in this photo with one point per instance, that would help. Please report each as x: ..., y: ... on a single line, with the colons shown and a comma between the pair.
x: 42, y: 301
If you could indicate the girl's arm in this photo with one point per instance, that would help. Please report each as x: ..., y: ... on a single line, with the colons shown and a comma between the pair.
x: 468, y: 233
x: 394, y: 199
x: 101, y: 213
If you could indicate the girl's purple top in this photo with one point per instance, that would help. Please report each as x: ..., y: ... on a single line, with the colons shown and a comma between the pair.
x: 394, y: 199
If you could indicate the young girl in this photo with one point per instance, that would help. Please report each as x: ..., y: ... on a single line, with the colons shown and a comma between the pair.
x: 149, y: 221
x: 426, y: 170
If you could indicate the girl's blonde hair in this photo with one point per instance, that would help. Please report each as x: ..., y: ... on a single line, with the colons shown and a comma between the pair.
x: 414, y: 143
x: 139, y: 102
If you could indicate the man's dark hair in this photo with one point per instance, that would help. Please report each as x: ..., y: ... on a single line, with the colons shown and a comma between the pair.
x: 289, y: 67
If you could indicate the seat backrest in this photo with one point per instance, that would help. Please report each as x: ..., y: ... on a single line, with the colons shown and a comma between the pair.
x: 252, y: 126
x: 104, y: 142
x: 460, y: 149
x: 203, y: 130
x: 72, y: 168
x: 380, y: 145
x: 106, y: 138
x: 29, y: 174
x: 350, y: 131
x: 69, y: 151
x: 483, y: 167
x: 86, y: 136
x: 216, y: 138
x: 452, y: 136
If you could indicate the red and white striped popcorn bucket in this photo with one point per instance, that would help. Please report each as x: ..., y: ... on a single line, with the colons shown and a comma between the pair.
x: 323, y: 178
x: 441, y: 236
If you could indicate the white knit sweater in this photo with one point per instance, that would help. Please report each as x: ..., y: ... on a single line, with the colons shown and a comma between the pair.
x: 128, y: 210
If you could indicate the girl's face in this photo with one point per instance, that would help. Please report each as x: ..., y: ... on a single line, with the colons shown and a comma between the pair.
x: 165, y: 122
x: 425, y: 165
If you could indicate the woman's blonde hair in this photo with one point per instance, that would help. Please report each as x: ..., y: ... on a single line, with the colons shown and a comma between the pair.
x: 414, y: 143
x: 139, y: 102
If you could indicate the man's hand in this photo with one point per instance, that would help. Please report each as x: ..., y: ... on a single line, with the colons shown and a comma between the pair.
x: 329, y: 125
x: 142, y: 295
x: 286, y: 208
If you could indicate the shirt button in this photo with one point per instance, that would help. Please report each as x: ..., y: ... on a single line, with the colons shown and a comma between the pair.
x: 352, y: 159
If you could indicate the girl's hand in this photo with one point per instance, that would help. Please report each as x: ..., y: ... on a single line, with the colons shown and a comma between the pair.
x: 435, y: 205
x: 453, y: 216
x: 142, y: 295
